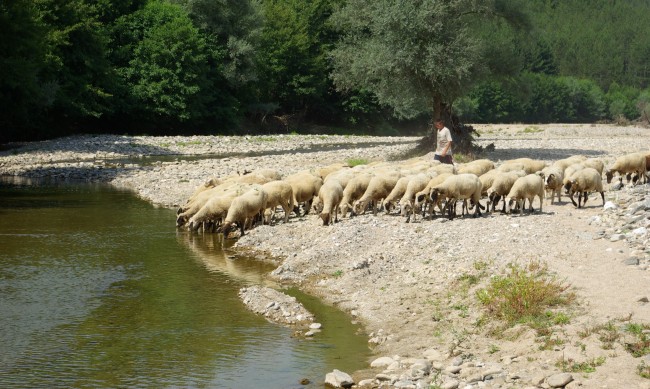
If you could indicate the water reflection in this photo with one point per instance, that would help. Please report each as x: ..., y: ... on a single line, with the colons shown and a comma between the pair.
x: 97, y: 289
x: 211, y: 250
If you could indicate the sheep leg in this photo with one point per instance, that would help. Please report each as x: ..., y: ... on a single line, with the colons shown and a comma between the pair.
x: 586, y: 197
x: 573, y: 201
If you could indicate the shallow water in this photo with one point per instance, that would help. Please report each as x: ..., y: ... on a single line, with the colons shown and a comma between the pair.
x: 97, y: 289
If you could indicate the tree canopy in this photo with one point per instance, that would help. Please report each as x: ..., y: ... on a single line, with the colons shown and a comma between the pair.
x: 226, y: 66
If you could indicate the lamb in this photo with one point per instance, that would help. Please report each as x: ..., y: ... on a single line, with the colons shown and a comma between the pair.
x: 354, y: 190
x: 501, y: 186
x: 407, y: 203
x: 305, y: 187
x: 634, y: 163
x: 459, y: 187
x: 554, y: 178
x: 279, y: 193
x: 379, y: 187
x: 244, y: 208
x: 477, y: 167
x: 526, y: 188
x: 330, y: 195
x: 585, y: 181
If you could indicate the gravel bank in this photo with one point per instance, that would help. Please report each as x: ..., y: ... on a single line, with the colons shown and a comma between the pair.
x: 404, y: 281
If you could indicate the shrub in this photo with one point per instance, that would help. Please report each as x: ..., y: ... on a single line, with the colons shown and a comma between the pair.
x: 524, y: 294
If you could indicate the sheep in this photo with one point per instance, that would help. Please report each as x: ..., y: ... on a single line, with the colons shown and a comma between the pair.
x: 305, y: 187
x: 554, y: 178
x: 407, y: 203
x: 501, y: 186
x: 354, y: 190
x: 569, y: 171
x: 526, y: 188
x: 636, y: 177
x: 566, y: 162
x: 396, y: 194
x: 422, y: 198
x: 634, y: 163
x: 487, y: 179
x: 477, y: 167
x: 200, y: 200
x: 459, y: 187
x: 279, y: 193
x: 330, y: 194
x: 379, y: 187
x: 585, y: 181
x: 528, y: 165
x: 443, y: 168
x: 215, y: 209
x: 325, y: 171
x: 244, y: 208
x: 343, y: 176
x: 595, y: 163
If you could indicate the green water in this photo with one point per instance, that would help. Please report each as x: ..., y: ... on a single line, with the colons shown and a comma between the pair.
x: 98, y: 290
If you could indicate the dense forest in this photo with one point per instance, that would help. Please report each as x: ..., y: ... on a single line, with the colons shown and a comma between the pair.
x: 267, y: 66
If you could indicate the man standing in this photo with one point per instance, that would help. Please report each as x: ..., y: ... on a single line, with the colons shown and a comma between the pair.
x: 443, y: 151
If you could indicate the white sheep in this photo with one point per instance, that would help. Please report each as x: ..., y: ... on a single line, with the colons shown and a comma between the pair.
x: 423, y: 198
x: 354, y: 190
x: 244, y: 209
x: 187, y: 211
x: 330, y: 195
x: 585, y: 181
x: 380, y: 186
x: 569, y: 171
x: 566, y: 162
x: 305, y: 187
x: 325, y: 171
x: 595, y: 163
x: 280, y: 193
x: 636, y: 177
x: 526, y: 188
x: 553, y: 183
x: 528, y: 165
x: 477, y: 167
x: 407, y: 203
x: 459, y: 187
x: 396, y: 194
x: 633, y: 163
x: 216, y: 208
x: 501, y: 186
x: 487, y: 179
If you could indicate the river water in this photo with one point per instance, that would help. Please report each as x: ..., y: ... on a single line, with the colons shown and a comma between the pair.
x: 98, y: 290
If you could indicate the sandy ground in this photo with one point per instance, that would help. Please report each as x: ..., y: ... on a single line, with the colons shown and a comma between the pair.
x: 407, y: 283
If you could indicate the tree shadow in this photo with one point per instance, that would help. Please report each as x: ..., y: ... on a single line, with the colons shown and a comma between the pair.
x: 540, y: 153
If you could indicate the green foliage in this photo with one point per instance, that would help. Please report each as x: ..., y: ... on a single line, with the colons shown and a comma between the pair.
x: 22, y: 59
x: 524, y: 294
x: 414, y: 57
x: 352, y: 162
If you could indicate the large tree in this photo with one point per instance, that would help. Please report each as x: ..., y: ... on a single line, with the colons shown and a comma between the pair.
x: 419, y: 56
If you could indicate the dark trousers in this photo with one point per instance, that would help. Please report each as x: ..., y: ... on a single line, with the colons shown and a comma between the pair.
x: 445, y: 159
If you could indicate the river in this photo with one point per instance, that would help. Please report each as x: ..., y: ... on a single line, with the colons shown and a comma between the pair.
x: 99, y: 290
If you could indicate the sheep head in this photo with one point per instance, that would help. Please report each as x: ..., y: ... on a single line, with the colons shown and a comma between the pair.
x: 609, y: 174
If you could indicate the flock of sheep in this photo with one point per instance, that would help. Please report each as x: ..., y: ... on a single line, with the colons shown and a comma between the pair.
x: 412, y: 187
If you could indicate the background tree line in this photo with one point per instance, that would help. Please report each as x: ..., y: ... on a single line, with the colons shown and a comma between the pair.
x: 252, y: 66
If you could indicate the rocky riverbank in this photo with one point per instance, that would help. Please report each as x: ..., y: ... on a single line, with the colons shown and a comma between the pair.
x: 404, y: 282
